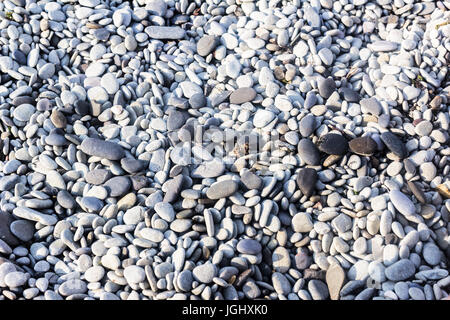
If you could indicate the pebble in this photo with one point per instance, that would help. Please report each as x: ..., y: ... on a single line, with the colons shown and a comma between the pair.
x: 103, y: 149
x: 126, y: 172
x: 400, y: 270
x: 306, y: 181
x: 402, y: 203
x: 249, y: 246
x: 222, y: 189
x: 333, y: 144
x: 308, y: 152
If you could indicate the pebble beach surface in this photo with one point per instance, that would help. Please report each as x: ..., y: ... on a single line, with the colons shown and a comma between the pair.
x: 238, y: 149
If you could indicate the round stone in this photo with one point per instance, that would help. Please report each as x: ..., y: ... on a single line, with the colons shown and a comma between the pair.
x: 22, y: 229
x: 222, y: 189
x: 24, y: 112
x: 281, y: 260
x: 205, y: 272
x: 134, y: 274
x: 249, y: 246
x: 400, y: 270
x: 333, y: 143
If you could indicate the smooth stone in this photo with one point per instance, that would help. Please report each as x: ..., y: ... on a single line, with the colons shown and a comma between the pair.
x: 184, y: 280
x: 22, y: 229
x: 281, y: 260
x: 302, y: 222
x: 94, y: 274
x: 206, y: 45
x: 134, y: 274
x: 308, y: 152
x: 103, y: 149
x: 6, y: 235
x: 8, y: 182
x: 92, y: 203
x: 33, y: 215
x: 333, y: 143
x: 15, y: 279
x: 174, y: 187
x: 281, y: 283
x: 98, y: 176
x: 251, y: 180
x: 131, y: 165
x: 401, y: 270
x: 302, y: 259
x: 350, y: 95
x: 417, y: 191
x: 165, y: 33
x: 364, y: 146
x: 72, y: 287
x: 306, y: 181
x: 209, y: 169
x: 376, y: 271
x: 118, y: 186
x: 262, y: 118
x: 205, y: 272
x: 307, y: 125
x: 431, y: 254
x: 370, y: 105
x: 24, y: 112
x: 165, y: 211
x: 394, y: 144
x: 318, y: 290
x: 335, y: 278
x: 197, y: 101
x: 222, y: 189
x: 249, y: 246
x: 242, y: 95
x: 402, y: 203
x: 326, y: 87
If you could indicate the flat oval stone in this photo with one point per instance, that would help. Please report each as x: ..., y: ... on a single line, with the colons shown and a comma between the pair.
x: 98, y: 176
x: 302, y: 222
x: 6, y: 235
x: 318, y: 289
x: 24, y: 112
x: 222, y: 189
x: 206, y: 45
x: 72, y: 286
x: 333, y: 143
x: 131, y: 165
x: 394, y: 144
x: 65, y: 199
x: 22, y: 229
x: 103, y: 149
x: 134, y: 274
x: 209, y: 169
x: 308, y: 152
x: 326, y: 87
x: 281, y: 260
x: 205, y: 272
x: 364, y: 146
x: 249, y: 246
x: 402, y: 203
x: 401, y: 270
x: 162, y: 33
x: 118, y: 186
x: 242, y: 95
x: 306, y: 181
x: 417, y: 191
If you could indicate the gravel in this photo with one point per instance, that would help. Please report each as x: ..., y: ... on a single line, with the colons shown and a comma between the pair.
x: 214, y: 150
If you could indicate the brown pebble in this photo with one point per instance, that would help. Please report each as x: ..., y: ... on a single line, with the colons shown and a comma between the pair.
x: 417, y: 191
x: 435, y: 104
x: 58, y: 119
x: 364, y: 146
